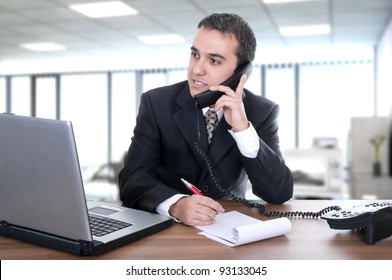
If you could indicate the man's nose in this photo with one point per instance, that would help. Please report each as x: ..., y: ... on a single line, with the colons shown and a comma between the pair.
x: 199, y: 67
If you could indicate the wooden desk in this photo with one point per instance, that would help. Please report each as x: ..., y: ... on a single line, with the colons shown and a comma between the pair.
x: 309, y: 239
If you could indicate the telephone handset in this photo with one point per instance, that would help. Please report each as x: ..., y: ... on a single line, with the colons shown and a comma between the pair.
x: 209, y: 97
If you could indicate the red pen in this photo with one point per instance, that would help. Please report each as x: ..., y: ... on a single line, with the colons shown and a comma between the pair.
x: 191, y: 187
x: 195, y: 190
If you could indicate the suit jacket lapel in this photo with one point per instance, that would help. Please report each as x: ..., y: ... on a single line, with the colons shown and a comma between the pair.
x: 220, y: 145
x: 187, y: 118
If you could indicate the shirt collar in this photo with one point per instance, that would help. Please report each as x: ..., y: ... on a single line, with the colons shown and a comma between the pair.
x: 220, y: 112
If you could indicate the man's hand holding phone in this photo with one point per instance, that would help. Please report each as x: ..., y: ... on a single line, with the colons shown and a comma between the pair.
x: 232, y: 105
x: 210, y: 97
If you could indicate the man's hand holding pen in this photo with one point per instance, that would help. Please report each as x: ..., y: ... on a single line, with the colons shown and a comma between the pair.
x: 195, y: 210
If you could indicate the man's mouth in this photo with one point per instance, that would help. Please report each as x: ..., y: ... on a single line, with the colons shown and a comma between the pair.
x: 199, y: 84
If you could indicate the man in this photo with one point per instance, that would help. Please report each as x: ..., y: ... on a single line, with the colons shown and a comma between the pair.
x: 245, y: 143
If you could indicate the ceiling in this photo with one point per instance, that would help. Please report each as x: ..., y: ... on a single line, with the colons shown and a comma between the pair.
x: 353, y: 23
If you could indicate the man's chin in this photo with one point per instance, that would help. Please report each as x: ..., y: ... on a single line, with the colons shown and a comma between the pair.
x: 194, y: 93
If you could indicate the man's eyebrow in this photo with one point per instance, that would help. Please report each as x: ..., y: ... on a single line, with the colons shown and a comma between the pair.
x: 210, y: 54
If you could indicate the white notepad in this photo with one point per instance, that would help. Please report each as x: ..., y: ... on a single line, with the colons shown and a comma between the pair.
x: 234, y: 229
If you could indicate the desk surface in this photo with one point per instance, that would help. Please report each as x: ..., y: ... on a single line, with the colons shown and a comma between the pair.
x: 309, y: 239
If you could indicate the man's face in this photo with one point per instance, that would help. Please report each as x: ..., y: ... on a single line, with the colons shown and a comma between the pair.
x: 212, y: 60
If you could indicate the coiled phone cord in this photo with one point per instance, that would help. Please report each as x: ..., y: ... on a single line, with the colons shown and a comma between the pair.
x: 262, y: 209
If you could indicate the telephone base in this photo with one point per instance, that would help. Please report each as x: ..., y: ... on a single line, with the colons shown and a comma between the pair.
x: 378, y: 231
x: 374, y: 218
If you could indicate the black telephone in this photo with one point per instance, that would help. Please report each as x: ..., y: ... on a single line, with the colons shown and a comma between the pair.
x: 375, y: 218
x: 209, y: 97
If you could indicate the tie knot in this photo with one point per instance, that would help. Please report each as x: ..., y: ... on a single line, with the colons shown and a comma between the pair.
x: 212, y: 121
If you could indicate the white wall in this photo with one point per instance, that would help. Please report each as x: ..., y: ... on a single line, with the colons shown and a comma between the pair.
x: 384, y: 72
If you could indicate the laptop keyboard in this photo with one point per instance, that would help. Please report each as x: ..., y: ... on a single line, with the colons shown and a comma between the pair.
x: 101, y: 226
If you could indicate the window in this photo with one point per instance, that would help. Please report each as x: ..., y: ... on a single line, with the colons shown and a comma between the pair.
x: 280, y: 88
x: 153, y: 80
x: 176, y: 76
x: 84, y: 103
x: 3, y: 96
x: 253, y: 82
x: 45, y: 106
x: 330, y: 94
x: 21, y: 96
x: 124, y: 110
x: 323, y: 106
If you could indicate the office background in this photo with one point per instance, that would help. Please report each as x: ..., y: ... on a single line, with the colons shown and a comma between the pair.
x: 321, y: 82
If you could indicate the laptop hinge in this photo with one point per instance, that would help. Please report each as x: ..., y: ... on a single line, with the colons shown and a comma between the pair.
x: 80, y: 247
x: 86, y: 247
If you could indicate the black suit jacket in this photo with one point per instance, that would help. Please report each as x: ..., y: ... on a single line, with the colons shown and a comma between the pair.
x: 163, y: 151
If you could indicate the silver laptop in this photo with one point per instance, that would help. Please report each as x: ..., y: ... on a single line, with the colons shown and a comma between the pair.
x: 42, y: 196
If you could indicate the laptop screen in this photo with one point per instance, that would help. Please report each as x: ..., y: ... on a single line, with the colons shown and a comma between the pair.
x: 41, y: 186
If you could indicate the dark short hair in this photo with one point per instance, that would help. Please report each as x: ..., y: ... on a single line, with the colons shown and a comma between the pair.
x: 232, y: 24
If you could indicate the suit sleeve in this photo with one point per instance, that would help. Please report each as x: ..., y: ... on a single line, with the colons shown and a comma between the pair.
x: 138, y: 180
x: 271, y: 179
